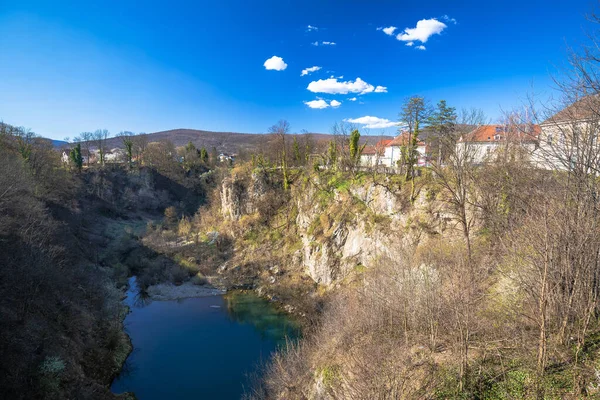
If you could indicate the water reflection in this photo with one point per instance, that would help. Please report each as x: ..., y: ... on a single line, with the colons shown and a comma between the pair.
x: 199, y: 347
x: 245, y: 307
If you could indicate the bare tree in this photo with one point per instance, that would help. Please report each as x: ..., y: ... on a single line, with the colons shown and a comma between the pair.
x: 140, y: 143
x: 99, y: 140
x: 280, y: 130
x: 127, y: 140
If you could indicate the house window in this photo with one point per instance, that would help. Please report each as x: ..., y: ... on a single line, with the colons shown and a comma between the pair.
x: 549, y: 138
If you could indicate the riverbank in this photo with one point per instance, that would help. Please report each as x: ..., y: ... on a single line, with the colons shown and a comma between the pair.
x: 169, y: 291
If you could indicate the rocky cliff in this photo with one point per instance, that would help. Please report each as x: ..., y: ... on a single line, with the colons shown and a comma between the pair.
x: 343, y: 225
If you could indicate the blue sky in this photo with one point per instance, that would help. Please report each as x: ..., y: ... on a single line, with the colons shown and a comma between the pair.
x: 68, y: 67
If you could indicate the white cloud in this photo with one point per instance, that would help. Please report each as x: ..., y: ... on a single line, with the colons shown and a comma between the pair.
x: 381, y: 89
x: 352, y: 99
x: 388, y: 31
x: 275, y: 63
x: 311, y: 28
x: 410, y: 43
x: 423, y: 31
x: 333, y: 86
x: 319, y: 104
x: 307, y: 71
x: 447, y: 18
x: 373, y: 122
x: 421, y: 47
x: 324, y: 43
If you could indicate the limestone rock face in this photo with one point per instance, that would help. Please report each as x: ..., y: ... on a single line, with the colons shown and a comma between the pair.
x: 328, y: 258
x: 361, y: 226
x: 242, y: 196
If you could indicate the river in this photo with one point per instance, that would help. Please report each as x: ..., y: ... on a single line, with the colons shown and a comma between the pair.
x: 198, y: 348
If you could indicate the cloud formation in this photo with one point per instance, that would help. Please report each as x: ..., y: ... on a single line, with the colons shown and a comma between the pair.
x: 352, y: 99
x: 447, y: 18
x: 307, y: 71
x: 373, y: 122
x: 275, y: 63
x: 321, y: 104
x: 422, y: 32
x: 323, y: 43
x: 310, y: 28
x: 421, y: 47
x: 388, y: 31
x: 333, y: 86
x: 381, y: 89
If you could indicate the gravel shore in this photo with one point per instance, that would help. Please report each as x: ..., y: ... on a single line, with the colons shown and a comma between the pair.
x: 168, y: 291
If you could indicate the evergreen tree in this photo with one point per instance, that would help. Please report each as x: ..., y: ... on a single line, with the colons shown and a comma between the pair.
x: 76, y: 157
x: 332, y: 154
x: 354, y: 147
x: 190, y: 148
x: 443, y: 122
x: 203, y: 155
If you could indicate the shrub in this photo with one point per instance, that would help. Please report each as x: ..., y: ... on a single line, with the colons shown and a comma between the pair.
x: 199, y: 279
x: 171, y: 215
x: 51, y: 371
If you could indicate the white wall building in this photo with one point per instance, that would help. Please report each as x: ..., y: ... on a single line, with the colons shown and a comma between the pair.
x: 484, y: 142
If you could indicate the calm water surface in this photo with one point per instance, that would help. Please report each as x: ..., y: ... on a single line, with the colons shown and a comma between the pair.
x: 202, y: 348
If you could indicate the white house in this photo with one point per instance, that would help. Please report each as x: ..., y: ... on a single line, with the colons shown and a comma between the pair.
x: 373, y: 155
x: 390, y: 152
x: 115, y: 155
x: 395, y: 148
x: 484, y: 142
x: 570, y: 137
x: 64, y: 157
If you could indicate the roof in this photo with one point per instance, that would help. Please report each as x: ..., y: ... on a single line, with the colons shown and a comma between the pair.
x: 369, y: 151
x: 583, y: 109
x: 403, y: 140
x: 377, y: 148
x: 501, y: 133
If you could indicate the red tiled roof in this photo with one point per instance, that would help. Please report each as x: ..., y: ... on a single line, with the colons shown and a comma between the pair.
x: 500, y: 133
x: 369, y: 150
x: 378, y: 148
x: 403, y: 140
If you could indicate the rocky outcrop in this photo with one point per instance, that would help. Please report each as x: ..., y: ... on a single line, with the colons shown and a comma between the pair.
x: 355, y: 227
x: 372, y: 225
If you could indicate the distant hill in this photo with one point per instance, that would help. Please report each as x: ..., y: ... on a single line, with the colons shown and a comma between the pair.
x: 58, y: 143
x: 225, y: 142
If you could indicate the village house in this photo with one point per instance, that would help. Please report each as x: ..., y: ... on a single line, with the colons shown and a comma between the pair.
x: 115, y: 155
x: 484, y: 142
x: 395, y: 149
x: 371, y: 156
x: 571, y: 136
x: 88, y: 158
x: 390, y: 152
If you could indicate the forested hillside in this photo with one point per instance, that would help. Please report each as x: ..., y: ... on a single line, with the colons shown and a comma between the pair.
x: 64, y: 239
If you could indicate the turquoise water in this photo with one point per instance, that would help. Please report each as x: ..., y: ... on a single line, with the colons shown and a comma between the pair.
x: 201, y: 348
